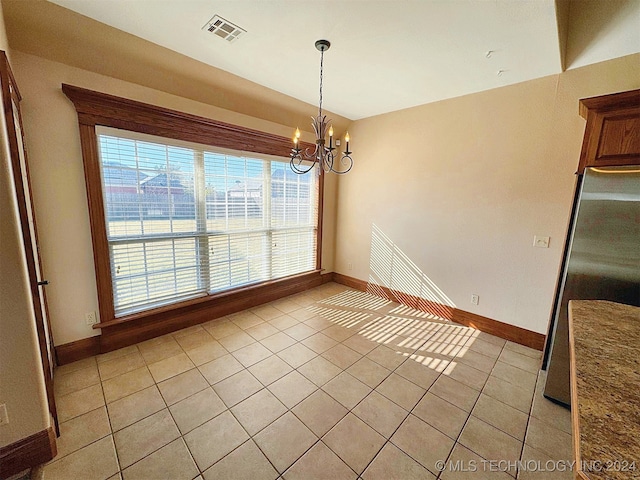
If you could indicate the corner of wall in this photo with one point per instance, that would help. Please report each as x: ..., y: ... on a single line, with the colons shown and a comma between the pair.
x: 22, y: 387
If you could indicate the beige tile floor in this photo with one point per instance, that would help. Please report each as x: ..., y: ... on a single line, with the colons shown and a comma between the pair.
x: 332, y: 383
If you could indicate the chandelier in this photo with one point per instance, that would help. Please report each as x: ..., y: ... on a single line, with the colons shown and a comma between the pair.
x: 302, y: 161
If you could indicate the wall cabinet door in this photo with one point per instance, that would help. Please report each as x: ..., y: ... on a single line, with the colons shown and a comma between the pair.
x: 612, y: 135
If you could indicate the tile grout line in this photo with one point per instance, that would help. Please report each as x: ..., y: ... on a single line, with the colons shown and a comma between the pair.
x: 166, y: 406
x: 411, y: 412
x: 251, y: 437
x: 57, y: 459
x: 456, y: 440
x: 150, y: 453
x: 181, y: 435
x: 105, y: 405
x: 388, y: 440
x: 351, y: 410
x: 111, y: 434
x: 357, y: 331
x: 497, y: 428
x: 289, y: 410
x: 526, y: 430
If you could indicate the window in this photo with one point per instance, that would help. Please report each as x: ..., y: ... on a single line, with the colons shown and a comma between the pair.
x: 185, y: 220
x: 183, y: 227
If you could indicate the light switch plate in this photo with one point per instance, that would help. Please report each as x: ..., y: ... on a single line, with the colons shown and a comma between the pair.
x: 541, y: 242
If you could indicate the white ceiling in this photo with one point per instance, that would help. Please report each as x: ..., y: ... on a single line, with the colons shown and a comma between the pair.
x: 385, y: 55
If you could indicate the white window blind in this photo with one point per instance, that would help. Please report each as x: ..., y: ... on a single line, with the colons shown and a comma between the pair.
x: 184, y: 220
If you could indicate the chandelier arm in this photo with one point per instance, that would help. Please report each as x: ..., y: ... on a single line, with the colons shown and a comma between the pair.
x: 311, y: 156
x: 296, y: 162
x: 299, y: 155
x: 345, y: 160
x: 328, y: 160
x: 305, y: 154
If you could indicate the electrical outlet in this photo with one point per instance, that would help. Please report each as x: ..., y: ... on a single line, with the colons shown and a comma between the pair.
x: 541, y: 242
x: 91, y: 318
x: 350, y: 266
x: 475, y: 299
x: 4, y: 418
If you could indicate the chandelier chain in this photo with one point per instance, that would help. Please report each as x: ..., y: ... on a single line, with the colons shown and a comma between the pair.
x: 321, y: 70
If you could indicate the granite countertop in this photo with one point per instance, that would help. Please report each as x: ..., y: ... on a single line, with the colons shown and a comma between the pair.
x: 605, y: 376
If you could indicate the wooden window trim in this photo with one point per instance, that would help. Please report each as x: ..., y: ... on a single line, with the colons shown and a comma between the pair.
x: 100, y: 109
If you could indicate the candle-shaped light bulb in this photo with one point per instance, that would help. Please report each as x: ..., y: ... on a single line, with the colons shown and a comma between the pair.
x: 346, y: 139
x: 296, y: 136
x: 331, y: 137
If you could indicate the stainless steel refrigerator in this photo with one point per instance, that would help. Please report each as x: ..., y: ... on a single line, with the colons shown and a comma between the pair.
x: 601, y: 260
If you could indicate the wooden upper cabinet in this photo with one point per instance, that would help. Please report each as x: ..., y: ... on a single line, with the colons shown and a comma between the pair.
x: 612, y: 135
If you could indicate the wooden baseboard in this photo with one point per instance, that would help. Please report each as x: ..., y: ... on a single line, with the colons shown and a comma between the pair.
x: 71, y: 352
x: 350, y: 281
x: 327, y: 277
x: 499, y: 329
x: 484, y: 324
x: 421, y: 304
x: 122, y: 335
x: 28, y: 452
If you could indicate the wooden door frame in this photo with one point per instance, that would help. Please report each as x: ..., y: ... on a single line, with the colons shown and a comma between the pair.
x: 10, y: 96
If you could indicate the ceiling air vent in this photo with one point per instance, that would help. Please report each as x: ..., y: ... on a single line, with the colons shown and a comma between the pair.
x: 223, y: 28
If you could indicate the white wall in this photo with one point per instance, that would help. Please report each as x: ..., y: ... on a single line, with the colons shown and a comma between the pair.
x: 461, y: 187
